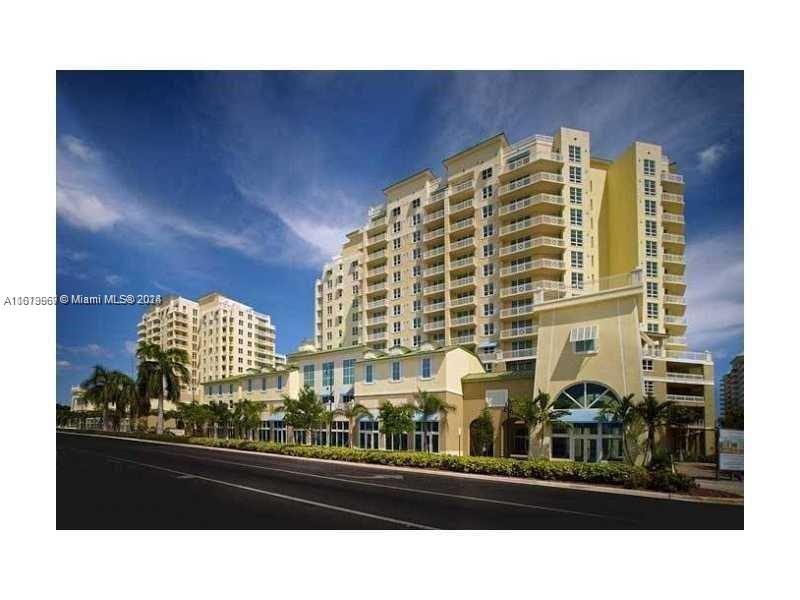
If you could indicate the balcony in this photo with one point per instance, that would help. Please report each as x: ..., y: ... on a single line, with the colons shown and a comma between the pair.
x: 673, y: 321
x: 461, y: 244
x: 433, y: 325
x: 516, y: 311
x: 434, y: 217
x: 686, y: 399
x: 673, y: 238
x: 376, y: 257
x: 461, y: 321
x: 463, y: 225
x: 537, y: 182
x: 671, y: 178
x: 463, y: 301
x: 696, y: 378
x: 373, y: 274
x: 462, y: 208
x: 549, y: 222
x: 674, y: 300
x: 437, y: 196
x: 547, y: 265
x: 376, y: 321
x: 462, y: 263
x: 377, y: 288
x: 671, y: 279
x: 433, y: 253
x: 464, y: 339
x: 433, y: 271
x: 433, y: 235
x: 677, y: 259
x: 676, y: 355
x: 377, y: 223
x: 433, y: 289
x: 462, y: 282
x: 518, y: 332
x: 433, y: 307
x: 518, y: 354
x: 673, y: 218
x: 668, y: 198
x: 377, y: 240
x: 461, y: 190
x: 520, y: 161
x: 676, y: 340
x: 375, y: 304
x: 376, y: 337
x: 377, y: 211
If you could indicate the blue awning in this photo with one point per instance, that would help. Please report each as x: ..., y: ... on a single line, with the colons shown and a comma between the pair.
x: 276, y: 416
x: 418, y: 417
x: 487, y: 344
x: 372, y: 416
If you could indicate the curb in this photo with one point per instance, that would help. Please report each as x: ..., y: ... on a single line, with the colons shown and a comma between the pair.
x: 582, y: 487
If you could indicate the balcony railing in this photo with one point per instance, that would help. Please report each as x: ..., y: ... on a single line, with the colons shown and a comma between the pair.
x: 465, y: 243
x: 671, y: 177
x: 434, y: 325
x: 456, y: 208
x: 685, y: 399
x: 464, y: 339
x: 433, y: 307
x: 461, y: 282
x: 437, y: 270
x: 669, y: 278
x: 514, y: 332
x: 438, y: 251
x: 468, y: 261
x: 463, y: 224
x: 518, y: 354
x: 673, y: 320
x: 462, y: 301
x: 685, y: 377
x: 432, y: 235
x: 673, y: 218
x: 678, y: 355
x: 675, y: 258
x: 460, y: 321
x: 672, y: 299
x: 435, y: 216
x: 377, y: 320
x: 376, y: 304
x: 464, y: 186
x: 529, y: 222
x: 514, y: 311
x: 530, y: 180
x: 673, y: 238
x: 433, y: 289
x: 376, y: 337
x: 676, y: 198
x: 532, y: 156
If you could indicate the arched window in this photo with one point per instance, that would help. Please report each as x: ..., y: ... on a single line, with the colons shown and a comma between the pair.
x: 584, y: 395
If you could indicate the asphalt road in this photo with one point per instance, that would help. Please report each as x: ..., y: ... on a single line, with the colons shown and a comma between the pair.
x: 115, y: 484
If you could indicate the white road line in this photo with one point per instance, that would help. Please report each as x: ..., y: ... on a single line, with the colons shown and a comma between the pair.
x: 274, y: 494
x: 404, y: 489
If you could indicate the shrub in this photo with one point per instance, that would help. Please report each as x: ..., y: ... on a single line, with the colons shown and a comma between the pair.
x: 612, y: 473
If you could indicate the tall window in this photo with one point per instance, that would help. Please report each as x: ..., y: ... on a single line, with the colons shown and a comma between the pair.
x: 575, y: 175
x: 650, y: 207
x: 327, y: 374
x: 652, y: 268
x: 308, y: 375
x: 349, y: 371
x: 368, y: 374
x: 650, y: 187
x: 368, y: 434
x: 651, y: 248
x: 396, y: 370
x: 430, y: 429
x: 576, y: 259
x: 575, y: 153
x: 487, y: 192
x: 576, y: 216
x: 576, y: 238
x: 426, y: 368
x: 575, y: 195
x: 650, y: 229
x: 486, y: 173
x: 577, y: 280
x: 652, y: 289
x: 649, y: 167
x: 652, y: 310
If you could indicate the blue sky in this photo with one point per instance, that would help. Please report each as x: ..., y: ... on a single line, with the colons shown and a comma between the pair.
x: 247, y: 182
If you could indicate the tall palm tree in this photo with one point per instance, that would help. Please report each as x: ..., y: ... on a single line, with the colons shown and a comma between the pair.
x: 622, y: 410
x: 654, y: 414
x: 247, y: 416
x: 98, y: 391
x: 534, y: 412
x: 167, y: 367
x: 352, y: 412
x: 220, y: 415
x: 126, y: 397
x: 429, y: 404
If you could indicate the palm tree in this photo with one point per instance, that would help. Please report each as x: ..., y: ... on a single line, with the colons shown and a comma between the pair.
x: 98, y: 391
x: 304, y: 412
x: 429, y: 404
x: 126, y: 397
x: 167, y: 367
x: 654, y: 414
x: 352, y: 413
x: 622, y: 410
x: 247, y: 416
x: 396, y: 420
x: 221, y: 416
x: 481, y: 433
x: 535, y: 412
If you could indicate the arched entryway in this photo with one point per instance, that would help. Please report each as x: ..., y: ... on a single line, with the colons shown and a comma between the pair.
x: 583, y: 434
x: 516, y: 438
x: 481, y: 438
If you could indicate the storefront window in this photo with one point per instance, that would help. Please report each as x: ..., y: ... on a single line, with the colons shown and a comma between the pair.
x: 431, y: 429
x: 368, y: 434
x: 340, y: 433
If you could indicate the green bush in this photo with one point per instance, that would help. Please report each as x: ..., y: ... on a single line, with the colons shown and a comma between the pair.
x: 612, y: 473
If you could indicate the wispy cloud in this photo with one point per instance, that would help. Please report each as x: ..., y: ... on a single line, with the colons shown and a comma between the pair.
x: 710, y: 157
x: 89, y: 197
x: 63, y: 364
x: 114, y: 279
x: 94, y: 350
x: 715, y: 292
x: 79, y: 149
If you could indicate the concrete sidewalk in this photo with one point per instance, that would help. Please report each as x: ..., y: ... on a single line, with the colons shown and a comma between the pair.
x: 705, y: 474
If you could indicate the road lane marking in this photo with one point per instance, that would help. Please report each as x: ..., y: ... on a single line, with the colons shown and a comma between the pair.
x: 369, y: 476
x: 274, y: 494
x: 405, y: 489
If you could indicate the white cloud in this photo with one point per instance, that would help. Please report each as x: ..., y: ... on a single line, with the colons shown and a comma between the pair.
x: 715, y: 292
x: 710, y: 157
x: 89, y: 350
x: 85, y: 210
x: 113, y: 279
x: 79, y: 148
x: 63, y: 364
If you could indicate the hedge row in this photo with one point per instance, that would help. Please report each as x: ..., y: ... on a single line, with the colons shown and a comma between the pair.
x: 612, y: 473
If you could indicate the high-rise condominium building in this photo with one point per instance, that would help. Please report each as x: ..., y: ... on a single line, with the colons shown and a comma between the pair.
x: 461, y: 259
x: 221, y: 336
x: 732, y: 392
